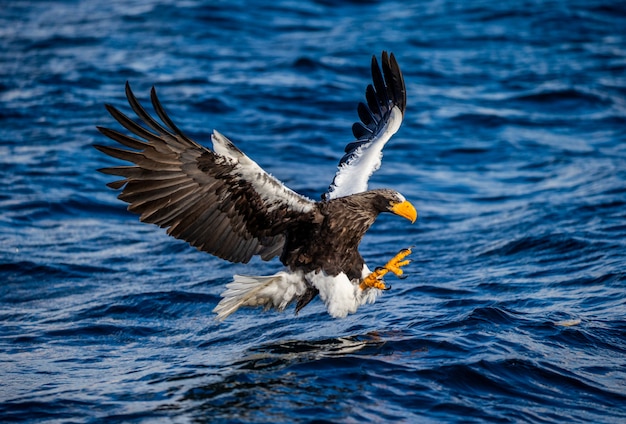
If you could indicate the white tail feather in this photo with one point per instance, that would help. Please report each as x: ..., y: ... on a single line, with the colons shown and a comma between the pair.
x: 272, y: 291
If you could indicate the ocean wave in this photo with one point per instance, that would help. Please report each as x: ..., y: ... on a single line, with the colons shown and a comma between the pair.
x: 512, y: 149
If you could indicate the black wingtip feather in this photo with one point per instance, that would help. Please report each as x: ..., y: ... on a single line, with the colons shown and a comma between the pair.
x: 366, y: 116
x: 130, y: 125
x: 116, y: 185
x: 158, y: 107
x: 395, y: 81
x: 141, y: 112
x: 360, y: 131
x: 373, y: 103
x: 127, y: 141
x: 379, y: 85
x: 100, y: 147
x: 386, y: 91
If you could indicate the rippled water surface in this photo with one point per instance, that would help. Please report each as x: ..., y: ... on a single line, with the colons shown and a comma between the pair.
x: 513, y: 150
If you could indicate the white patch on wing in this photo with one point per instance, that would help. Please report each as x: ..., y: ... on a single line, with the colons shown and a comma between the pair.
x: 353, y: 175
x: 224, y: 147
x: 273, y: 192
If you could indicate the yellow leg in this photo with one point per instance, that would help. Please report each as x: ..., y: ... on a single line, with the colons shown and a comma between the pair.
x: 375, y: 279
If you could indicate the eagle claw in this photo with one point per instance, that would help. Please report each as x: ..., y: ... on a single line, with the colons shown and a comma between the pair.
x: 375, y: 279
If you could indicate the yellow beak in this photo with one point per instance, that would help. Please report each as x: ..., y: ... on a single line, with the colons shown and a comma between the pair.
x: 406, y: 210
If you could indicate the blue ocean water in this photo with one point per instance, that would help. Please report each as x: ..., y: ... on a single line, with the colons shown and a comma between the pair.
x: 513, y: 149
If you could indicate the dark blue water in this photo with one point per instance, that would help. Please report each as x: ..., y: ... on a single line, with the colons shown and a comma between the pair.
x: 513, y: 150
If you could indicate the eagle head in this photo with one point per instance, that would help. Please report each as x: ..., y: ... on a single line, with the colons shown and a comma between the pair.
x: 391, y: 201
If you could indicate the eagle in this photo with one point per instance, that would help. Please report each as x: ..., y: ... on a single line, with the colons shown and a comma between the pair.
x: 222, y: 202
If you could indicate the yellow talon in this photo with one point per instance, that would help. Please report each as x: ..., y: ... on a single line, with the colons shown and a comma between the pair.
x: 398, y: 261
x: 374, y: 280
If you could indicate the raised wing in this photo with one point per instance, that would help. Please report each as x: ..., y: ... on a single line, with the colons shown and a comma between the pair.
x: 380, y: 119
x: 220, y: 201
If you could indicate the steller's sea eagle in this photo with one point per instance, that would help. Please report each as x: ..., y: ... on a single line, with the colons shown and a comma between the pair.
x: 223, y: 203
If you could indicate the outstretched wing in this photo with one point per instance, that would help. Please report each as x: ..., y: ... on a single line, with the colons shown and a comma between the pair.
x: 220, y: 201
x: 380, y: 119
